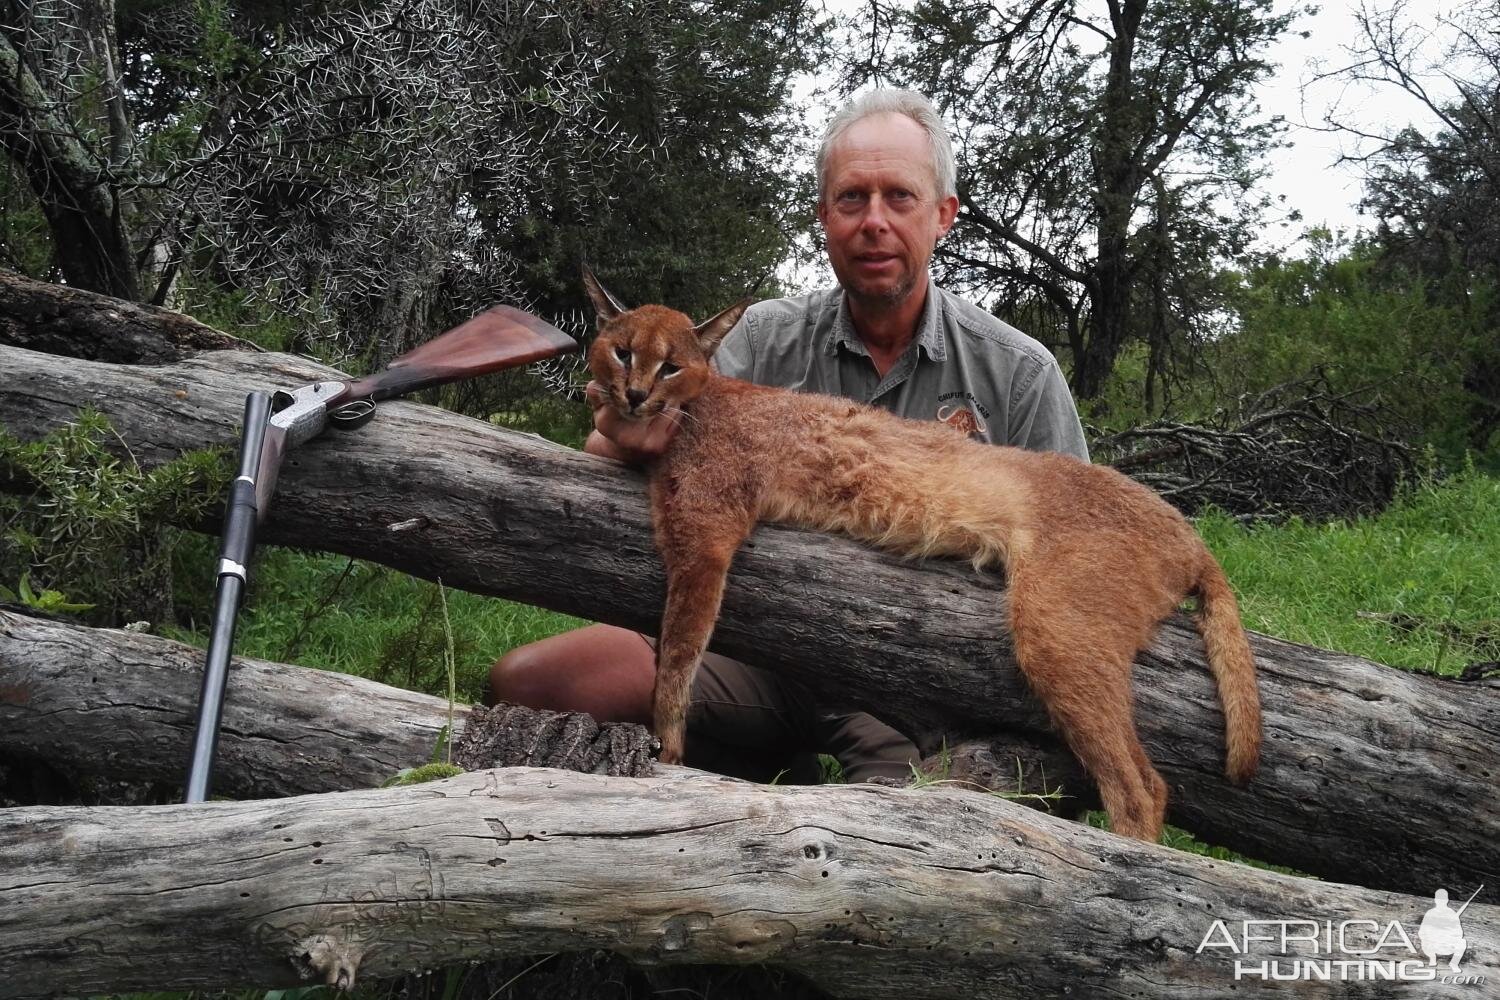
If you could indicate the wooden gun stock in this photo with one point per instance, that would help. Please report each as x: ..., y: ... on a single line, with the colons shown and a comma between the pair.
x: 500, y: 338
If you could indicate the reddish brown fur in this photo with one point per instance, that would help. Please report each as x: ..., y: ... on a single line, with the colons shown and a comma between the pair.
x: 1095, y: 561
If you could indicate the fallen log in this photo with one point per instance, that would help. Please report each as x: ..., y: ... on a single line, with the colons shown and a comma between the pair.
x: 921, y: 645
x: 121, y: 705
x: 865, y: 891
x: 85, y: 703
x: 76, y: 323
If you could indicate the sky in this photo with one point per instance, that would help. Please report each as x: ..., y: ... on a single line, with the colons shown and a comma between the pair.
x: 1307, y: 172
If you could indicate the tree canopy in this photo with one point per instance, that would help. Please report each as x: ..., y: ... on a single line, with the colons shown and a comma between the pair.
x: 382, y: 169
x: 1435, y: 192
x: 348, y: 178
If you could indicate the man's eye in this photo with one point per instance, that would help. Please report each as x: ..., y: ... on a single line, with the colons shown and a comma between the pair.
x: 668, y: 369
x: 623, y: 355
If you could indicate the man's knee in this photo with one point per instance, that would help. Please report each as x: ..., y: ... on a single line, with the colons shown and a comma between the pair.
x: 868, y: 748
x: 599, y: 669
x: 523, y: 676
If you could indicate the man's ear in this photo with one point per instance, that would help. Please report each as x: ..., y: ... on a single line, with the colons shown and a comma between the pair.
x: 947, y: 212
x: 711, y: 331
x: 605, y: 304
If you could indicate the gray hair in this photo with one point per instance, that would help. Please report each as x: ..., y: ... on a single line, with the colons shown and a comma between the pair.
x: 901, y: 102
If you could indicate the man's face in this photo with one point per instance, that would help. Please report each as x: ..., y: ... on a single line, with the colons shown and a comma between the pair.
x: 880, y: 210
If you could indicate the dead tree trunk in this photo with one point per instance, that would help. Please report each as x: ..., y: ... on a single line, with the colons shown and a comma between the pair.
x: 921, y: 645
x: 866, y: 891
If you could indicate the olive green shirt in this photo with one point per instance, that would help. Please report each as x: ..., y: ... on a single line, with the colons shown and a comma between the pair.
x: 964, y: 367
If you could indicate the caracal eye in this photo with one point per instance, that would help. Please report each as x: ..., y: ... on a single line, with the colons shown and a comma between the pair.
x: 623, y: 355
x: 668, y: 369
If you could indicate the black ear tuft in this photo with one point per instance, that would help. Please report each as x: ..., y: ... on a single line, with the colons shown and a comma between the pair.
x: 605, y: 304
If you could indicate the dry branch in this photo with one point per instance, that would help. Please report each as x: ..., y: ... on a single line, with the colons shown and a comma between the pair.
x: 1301, y: 448
x: 923, y: 646
x: 866, y: 891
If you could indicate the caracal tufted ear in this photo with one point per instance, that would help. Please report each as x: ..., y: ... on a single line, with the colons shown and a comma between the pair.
x: 605, y: 304
x: 712, y: 330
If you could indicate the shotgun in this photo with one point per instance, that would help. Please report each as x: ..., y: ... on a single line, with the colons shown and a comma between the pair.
x: 279, y: 421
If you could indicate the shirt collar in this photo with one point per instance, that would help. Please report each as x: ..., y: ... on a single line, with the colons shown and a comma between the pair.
x: 929, y: 336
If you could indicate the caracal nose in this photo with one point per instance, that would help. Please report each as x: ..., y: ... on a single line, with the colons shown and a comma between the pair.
x: 635, y: 397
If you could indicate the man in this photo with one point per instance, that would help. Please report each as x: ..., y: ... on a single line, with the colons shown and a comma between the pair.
x: 887, y: 337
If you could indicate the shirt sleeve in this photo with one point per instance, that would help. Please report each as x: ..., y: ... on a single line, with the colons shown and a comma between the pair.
x: 1044, y: 418
x: 735, y: 357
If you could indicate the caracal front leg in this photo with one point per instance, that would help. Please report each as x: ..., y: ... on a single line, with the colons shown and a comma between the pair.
x: 701, y: 518
x: 695, y: 588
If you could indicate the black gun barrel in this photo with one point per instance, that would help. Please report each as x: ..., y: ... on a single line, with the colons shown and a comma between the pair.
x: 235, y: 547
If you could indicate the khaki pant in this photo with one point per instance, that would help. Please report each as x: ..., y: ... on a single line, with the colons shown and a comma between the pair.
x: 756, y: 724
x: 741, y: 720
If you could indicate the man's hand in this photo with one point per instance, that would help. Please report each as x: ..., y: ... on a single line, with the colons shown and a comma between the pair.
x: 634, y: 442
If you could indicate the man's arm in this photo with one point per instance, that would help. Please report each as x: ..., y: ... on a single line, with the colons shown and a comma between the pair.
x: 1045, y: 418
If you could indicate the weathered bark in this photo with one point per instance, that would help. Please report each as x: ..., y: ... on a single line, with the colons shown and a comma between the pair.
x: 923, y: 646
x: 868, y: 892
x: 121, y: 705
x: 75, y: 323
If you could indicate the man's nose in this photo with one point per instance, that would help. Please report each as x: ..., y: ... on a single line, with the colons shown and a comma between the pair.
x: 875, y: 219
x: 635, y: 397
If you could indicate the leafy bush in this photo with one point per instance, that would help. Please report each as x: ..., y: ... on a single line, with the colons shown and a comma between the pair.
x: 85, y: 522
x: 1337, y: 311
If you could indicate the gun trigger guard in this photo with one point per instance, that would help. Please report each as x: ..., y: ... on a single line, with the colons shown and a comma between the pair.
x: 352, y: 415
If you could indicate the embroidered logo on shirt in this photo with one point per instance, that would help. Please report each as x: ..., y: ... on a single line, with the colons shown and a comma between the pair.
x: 964, y: 414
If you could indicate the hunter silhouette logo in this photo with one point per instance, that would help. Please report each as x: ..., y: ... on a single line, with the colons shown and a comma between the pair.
x: 1441, y: 933
x: 1349, y: 950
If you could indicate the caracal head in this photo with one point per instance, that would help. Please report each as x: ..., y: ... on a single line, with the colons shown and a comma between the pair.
x: 650, y: 358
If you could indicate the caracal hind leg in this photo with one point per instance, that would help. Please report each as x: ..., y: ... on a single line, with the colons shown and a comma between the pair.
x: 1091, y: 707
x: 1156, y: 785
x: 1084, y: 683
x: 1080, y: 609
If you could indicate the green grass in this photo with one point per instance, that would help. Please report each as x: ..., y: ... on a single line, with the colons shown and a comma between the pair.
x: 360, y: 618
x: 1417, y: 586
